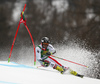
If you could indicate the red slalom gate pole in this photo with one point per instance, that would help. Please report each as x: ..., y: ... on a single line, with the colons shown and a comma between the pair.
x: 32, y: 43
x: 24, y: 22
x: 24, y: 7
x: 13, y: 42
x: 15, y: 36
x: 69, y: 61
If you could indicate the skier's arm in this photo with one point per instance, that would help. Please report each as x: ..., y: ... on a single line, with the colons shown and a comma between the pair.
x: 38, y: 53
x: 51, y: 49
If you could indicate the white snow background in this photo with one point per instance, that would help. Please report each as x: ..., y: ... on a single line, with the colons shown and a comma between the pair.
x: 12, y: 73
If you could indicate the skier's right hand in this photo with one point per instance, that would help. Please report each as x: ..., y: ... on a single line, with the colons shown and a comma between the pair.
x: 45, y: 63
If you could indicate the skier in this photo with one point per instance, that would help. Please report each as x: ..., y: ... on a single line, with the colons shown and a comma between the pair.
x: 43, y: 52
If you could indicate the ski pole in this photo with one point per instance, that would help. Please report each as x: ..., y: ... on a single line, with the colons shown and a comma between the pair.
x: 69, y: 61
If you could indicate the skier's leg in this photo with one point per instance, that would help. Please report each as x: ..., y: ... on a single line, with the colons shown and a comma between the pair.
x: 56, y: 65
x: 75, y: 73
x: 44, y: 63
x: 53, y: 60
x: 72, y: 72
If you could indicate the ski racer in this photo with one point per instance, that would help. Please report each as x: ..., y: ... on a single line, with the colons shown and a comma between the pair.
x: 43, y: 52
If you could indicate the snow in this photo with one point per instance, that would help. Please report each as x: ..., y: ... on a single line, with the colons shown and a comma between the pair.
x: 17, y: 9
x: 13, y: 73
x: 61, y: 6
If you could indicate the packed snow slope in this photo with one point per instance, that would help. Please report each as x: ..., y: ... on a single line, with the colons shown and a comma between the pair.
x: 13, y: 73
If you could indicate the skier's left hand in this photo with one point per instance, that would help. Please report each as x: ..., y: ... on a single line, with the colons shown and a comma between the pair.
x: 48, y: 53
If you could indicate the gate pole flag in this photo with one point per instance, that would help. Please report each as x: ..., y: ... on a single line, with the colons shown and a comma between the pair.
x: 23, y: 20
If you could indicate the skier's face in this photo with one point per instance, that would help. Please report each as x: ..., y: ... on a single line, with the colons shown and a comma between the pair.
x: 44, y: 45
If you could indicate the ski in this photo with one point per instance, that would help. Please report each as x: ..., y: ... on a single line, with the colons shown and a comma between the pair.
x: 79, y: 75
x: 72, y: 72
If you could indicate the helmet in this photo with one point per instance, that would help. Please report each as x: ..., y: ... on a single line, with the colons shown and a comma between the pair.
x: 45, y: 40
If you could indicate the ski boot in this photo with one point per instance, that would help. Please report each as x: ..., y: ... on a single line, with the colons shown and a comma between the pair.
x: 60, y: 69
x: 75, y: 73
x: 65, y: 69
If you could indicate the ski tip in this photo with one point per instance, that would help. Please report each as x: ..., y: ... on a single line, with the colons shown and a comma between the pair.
x: 87, y: 67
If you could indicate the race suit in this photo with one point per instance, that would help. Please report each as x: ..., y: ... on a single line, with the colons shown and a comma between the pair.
x: 41, y: 55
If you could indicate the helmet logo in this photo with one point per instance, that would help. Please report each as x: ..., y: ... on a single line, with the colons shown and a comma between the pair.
x: 42, y: 41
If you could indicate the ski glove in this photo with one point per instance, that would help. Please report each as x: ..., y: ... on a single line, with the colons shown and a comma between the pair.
x: 48, y: 53
x: 46, y: 56
x: 45, y: 63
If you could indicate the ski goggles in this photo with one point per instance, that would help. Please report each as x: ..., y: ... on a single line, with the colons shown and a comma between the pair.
x: 45, y: 44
